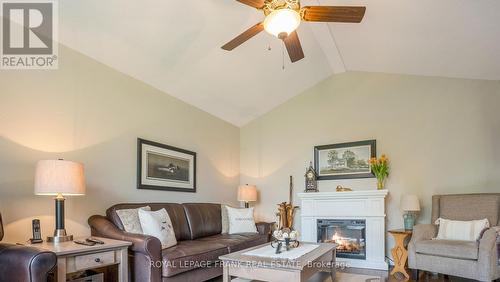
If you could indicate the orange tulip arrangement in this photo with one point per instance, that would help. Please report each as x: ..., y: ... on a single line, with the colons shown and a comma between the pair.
x: 380, y: 167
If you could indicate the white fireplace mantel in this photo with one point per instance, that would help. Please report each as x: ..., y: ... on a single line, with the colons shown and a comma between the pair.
x: 368, y: 205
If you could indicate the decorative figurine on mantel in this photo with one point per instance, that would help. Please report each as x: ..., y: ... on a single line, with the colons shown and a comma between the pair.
x: 340, y: 188
x: 311, y: 179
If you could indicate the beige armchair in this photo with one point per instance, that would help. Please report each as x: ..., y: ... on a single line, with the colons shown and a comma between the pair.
x: 473, y: 260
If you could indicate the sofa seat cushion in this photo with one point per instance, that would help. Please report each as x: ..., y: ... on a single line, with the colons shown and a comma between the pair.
x: 189, y: 255
x: 237, y: 242
x: 448, y: 248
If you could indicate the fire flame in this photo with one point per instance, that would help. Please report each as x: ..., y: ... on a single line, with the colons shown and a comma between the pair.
x: 344, y: 244
x: 339, y: 240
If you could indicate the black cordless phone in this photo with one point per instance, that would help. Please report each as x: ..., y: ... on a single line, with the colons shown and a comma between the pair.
x: 37, y: 234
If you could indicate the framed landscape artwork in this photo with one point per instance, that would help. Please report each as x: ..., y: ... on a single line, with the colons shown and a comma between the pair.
x: 345, y: 160
x: 163, y: 167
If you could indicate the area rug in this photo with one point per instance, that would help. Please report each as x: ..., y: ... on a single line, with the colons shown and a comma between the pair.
x: 341, y: 277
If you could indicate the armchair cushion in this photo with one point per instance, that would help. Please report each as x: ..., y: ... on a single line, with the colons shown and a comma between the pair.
x: 448, y: 248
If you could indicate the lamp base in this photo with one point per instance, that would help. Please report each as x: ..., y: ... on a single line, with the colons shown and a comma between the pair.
x: 409, y: 220
x: 59, y: 237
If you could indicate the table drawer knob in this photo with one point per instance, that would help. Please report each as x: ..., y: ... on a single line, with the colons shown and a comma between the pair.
x: 92, y: 260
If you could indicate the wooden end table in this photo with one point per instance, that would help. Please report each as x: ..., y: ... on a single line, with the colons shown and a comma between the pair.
x: 320, y: 259
x: 399, y: 252
x: 72, y: 257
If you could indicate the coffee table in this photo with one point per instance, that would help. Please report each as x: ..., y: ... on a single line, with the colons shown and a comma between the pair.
x: 320, y: 259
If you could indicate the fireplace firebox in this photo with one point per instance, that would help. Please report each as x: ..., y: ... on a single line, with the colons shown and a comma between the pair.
x: 348, y: 234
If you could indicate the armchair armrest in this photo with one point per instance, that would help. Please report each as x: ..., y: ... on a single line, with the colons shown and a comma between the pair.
x: 488, y: 254
x: 488, y: 242
x: 265, y: 228
x: 421, y: 232
x: 25, y: 263
x: 144, y: 244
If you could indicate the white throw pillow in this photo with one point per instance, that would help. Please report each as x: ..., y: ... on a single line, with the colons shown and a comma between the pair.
x: 130, y: 219
x: 241, y: 220
x: 158, y: 224
x: 461, y: 230
x: 225, y: 218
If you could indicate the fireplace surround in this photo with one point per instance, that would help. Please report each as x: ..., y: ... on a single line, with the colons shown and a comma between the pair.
x: 364, y: 214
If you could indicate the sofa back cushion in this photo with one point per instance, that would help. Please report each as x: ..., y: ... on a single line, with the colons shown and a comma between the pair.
x: 204, y: 219
x: 175, y: 211
x: 467, y: 207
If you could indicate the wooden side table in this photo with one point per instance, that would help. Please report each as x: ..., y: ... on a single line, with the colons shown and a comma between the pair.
x: 399, y: 252
x: 72, y: 257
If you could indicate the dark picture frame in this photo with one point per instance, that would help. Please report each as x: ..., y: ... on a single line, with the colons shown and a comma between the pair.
x: 332, y: 161
x: 164, y: 167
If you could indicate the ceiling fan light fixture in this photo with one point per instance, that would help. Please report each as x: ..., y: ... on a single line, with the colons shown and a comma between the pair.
x: 282, y: 21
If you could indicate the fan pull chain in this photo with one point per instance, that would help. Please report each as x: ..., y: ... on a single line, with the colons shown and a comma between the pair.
x: 283, y: 56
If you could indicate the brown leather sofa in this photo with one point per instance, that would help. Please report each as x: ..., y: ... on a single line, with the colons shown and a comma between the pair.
x: 21, y: 263
x: 197, y: 228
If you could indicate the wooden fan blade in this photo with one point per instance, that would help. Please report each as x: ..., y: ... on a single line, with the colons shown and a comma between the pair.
x: 240, y: 39
x: 293, y: 47
x: 343, y: 14
x: 258, y: 4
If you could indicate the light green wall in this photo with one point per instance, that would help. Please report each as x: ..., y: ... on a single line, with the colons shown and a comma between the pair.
x: 442, y: 136
x: 90, y: 113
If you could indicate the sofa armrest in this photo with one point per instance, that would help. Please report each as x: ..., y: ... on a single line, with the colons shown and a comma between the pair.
x: 264, y: 228
x: 25, y: 263
x: 144, y: 244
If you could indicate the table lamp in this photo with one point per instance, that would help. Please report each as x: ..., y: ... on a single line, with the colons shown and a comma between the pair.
x: 247, y: 193
x: 59, y: 178
x: 411, y: 206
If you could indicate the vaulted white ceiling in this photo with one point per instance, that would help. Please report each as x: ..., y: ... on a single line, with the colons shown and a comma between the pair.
x: 175, y: 46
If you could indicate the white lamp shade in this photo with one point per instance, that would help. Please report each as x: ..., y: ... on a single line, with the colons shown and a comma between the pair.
x: 247, y: 193
x: 282, y: 20
x: 53, y: 177
x: 410, y: 203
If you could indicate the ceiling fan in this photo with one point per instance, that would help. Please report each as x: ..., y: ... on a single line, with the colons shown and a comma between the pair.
x: 283, y: 17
